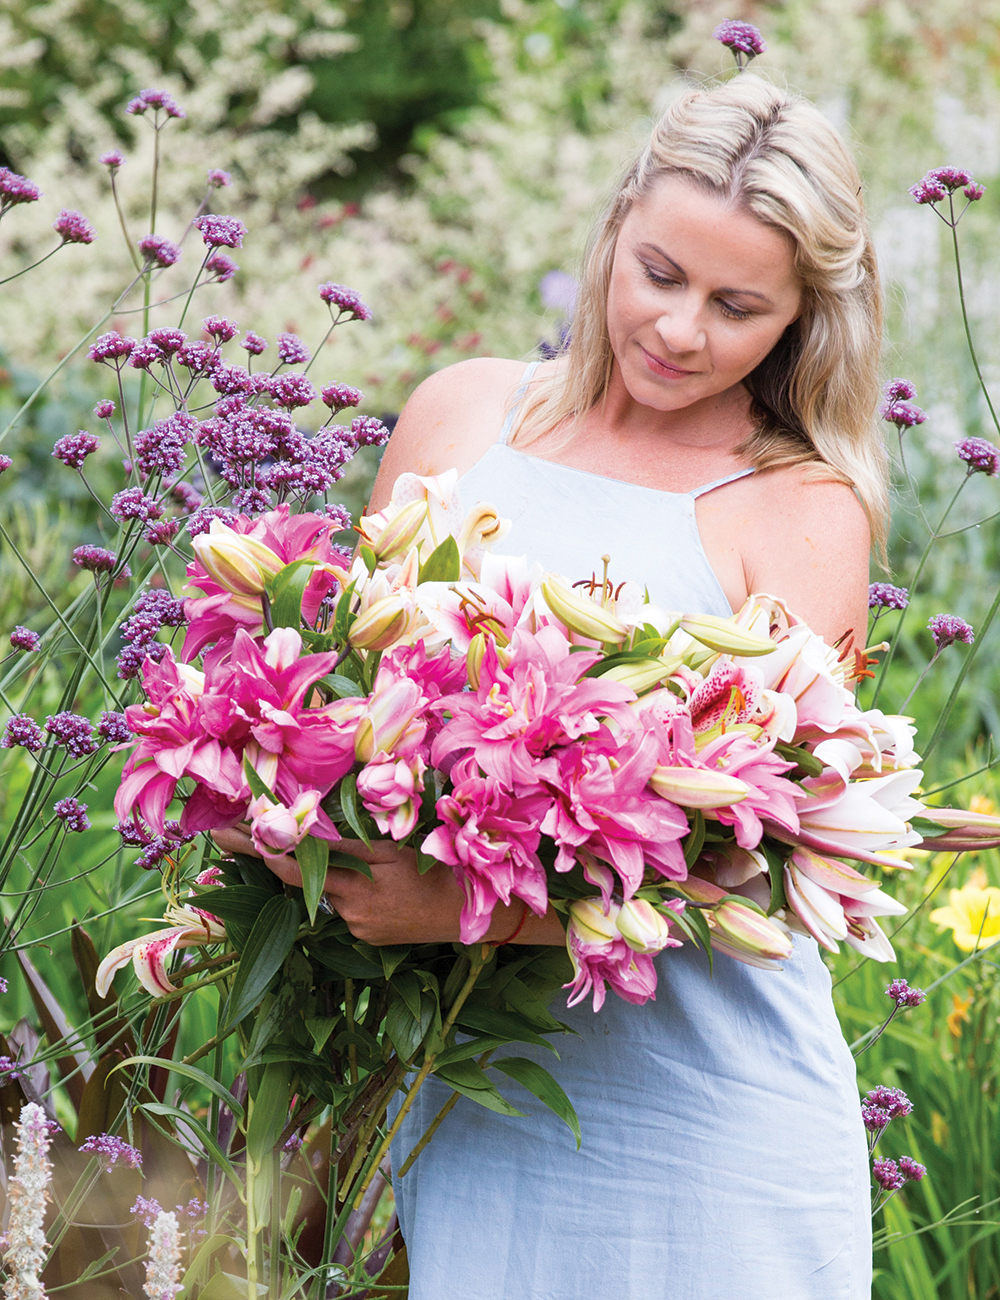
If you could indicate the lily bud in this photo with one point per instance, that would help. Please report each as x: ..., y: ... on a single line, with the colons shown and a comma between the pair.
x: 698, y: 787
x: 482, y: 527
x: 582, y: 615
x: 966, y: 830
x: 279, y: 829
x: 474, y: 659
x: 381, y: 625
x: 401, y: 531
x: 834, y: 876
x: 240, y: 564
x: 640, y: 674
x: 590, y: 923
x: 642, y: 927
x: 723, y: 635
x: 746, y: 930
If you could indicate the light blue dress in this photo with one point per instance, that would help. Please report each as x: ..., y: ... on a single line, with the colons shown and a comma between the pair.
x: 723, y: 1152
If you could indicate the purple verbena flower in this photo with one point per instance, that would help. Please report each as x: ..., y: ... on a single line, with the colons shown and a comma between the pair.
x: 294, y: 1143
x: 167, y: 340
x: 201, y: 521
x: 928, y: 191
x: 5, y: 463
x: 883, y: 595
x: 140, y: 628
x: 886, y: 1174
x: 15, y: 189
x: 903, y: 414
x: 911, y: 1169
x: 74, y: 448
x: 338, y: 397
x: 72, y: 813
x: 8, y: 1068
x: 292, y: 390
x: 73, y: 731
x: 228, y: 379
x: 3, y: 985
x: 253, y: 343
x: 72, y: 227
x: 220, y: 232
x: 221, y: 266
x: 111, y: 1149
x: 347, y: 301
x: 199, y: 357
x: 892, y: 1100
x: 132, y: 504
x: 22, y: 638
x: 161, y: 449
x: 162, y: 533
x: 903, y: 996
x: 741, y: 38
x: 113, y: 347
x: 133, y: 833
x: 154, y: 99
x: 340, y: 516
x: 252, y: 500
x: 897, y: 390
x: 973, y: 192
x: 218, y: 179
x: 946, y: 629
x: 94, y: 558
x: 113, y: 158
x: 131, y: 657
x: 23, y: 731
x: 221, y: 328
x: 875, y: 1118
x: 104, y: 409
x: 153, y: 854
x: 980, y: 456
x: 113, y: 728
x: 146, y: 1208
x: 146, y: 354
x: 292, y: 351
x: 952, y: 178
x: 369, y: 432
x: 157, y: 250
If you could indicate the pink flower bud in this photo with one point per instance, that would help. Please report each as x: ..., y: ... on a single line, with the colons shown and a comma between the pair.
x: 277, y: 828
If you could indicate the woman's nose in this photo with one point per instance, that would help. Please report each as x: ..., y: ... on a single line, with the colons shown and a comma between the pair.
x: 681, y: 328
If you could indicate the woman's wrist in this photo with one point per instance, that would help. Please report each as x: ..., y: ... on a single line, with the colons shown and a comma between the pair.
x: 544, y: 930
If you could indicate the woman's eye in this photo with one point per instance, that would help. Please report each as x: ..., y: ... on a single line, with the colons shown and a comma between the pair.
x: 656, y: 277
x: 734, y: 313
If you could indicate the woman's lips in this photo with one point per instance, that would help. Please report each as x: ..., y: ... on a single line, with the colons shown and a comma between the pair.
x: 664, y: 368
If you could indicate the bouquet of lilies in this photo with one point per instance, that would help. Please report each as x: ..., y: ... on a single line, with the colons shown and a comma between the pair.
x: 656, y: 777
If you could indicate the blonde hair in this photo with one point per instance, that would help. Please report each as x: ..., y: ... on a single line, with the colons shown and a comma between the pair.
x: 814, y: 397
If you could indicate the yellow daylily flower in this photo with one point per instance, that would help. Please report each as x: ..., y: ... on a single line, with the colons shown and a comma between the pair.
x: 972, y: 915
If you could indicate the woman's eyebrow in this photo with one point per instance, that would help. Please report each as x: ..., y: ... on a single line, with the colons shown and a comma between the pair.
x: 745, y: 293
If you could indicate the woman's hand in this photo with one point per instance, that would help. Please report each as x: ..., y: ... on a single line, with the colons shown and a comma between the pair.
x: 399, y: 905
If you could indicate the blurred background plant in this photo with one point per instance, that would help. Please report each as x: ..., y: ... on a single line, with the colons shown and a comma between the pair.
x: 446, y: 158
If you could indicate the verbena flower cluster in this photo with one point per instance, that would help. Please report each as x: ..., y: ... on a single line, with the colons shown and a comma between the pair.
x: 741, y: 38
x: 980, y: 456
x: 946, y: 629
x: 883, y: 595
x: 111, y: 1150
x: 903, y: 995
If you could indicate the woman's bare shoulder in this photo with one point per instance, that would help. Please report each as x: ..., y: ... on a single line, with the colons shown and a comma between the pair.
x: 449, y: 421
x: 805, y: 537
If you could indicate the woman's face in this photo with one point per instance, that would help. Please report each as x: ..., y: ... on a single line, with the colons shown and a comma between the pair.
x: 700, y: 293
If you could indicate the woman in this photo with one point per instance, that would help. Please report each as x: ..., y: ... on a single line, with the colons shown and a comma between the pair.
x: 712, y: 428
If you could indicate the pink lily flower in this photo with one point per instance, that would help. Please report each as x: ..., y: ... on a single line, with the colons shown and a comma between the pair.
x: 601, y: 957
x: 835, y: 903
x: 497, y: 605
x: 389, y: 789
x: 519, y: 712
x: 770, y: 793
x: 218, y: 614
x: 191, y: 928
x: 858, y: 819
x: 490, y: 837
x: 277, y: 828
x: 603, y: 804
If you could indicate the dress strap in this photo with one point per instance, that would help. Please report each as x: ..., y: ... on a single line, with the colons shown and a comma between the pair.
x: 511, y: 415
x: 730, y: 478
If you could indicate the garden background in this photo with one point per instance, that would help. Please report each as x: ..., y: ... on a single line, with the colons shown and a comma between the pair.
x: 445, y: 159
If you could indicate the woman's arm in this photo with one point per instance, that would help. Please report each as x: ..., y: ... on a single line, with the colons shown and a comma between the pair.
x: 449, y: 422
x: 398, y: 905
